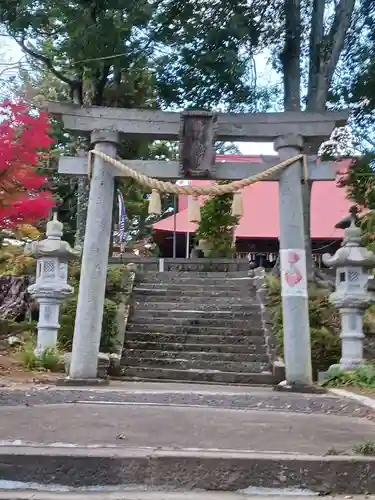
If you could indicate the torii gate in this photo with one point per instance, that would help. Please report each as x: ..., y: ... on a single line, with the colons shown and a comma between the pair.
x: 291, y: 132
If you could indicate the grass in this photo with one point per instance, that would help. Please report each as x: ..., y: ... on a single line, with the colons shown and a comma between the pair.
x: 366, y: 448
x: 362, y: 377
x: 334, y: 451
x: 49, y: 360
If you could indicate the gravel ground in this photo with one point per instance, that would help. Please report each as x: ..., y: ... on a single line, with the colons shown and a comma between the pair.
x: 299, y: 403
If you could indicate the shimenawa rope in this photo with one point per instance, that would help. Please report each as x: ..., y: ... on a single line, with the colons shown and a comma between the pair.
x: 158, y: 186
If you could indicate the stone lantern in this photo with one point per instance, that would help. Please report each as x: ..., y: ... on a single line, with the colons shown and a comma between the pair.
x: 352, y: 263
x: 51, y: 285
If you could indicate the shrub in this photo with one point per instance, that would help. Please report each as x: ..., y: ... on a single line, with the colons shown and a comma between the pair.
x: 109, y: 325
x: 67, y: 320
x: 364, y: 376
x: 75, y: 270
x: 13, y: 262
x: 49, y: 360
x: 117, y: 277
x: 217, y: 225
x: 324, y: 324
x: 116, y: 285
x: 369, y: 321
x: 11, y: 327
x: 27, y: 356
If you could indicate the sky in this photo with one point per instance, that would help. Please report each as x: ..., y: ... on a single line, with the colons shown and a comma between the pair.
x: 10, y: 52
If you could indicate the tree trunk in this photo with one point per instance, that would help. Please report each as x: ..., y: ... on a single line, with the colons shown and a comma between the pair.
x: 324, y: 53
x: 325, y: 50
x: 290, y: 57
x: 15, y: 301
x: 290, y: 60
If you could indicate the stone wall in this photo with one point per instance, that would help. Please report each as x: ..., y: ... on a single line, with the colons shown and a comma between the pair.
x: 259, y: 277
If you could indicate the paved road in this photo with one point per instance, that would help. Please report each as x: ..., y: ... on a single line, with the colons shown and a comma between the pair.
x: 182, y: 427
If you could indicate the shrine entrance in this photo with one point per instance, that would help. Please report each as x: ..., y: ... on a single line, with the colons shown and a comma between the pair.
x: 294, y: 134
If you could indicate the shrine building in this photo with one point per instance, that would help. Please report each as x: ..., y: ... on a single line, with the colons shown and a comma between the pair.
x: 258, y: 231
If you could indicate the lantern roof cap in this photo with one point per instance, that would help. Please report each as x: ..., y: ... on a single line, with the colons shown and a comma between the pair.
x: 352, y: 251
x: 54, y: 230
x: 53, y: 245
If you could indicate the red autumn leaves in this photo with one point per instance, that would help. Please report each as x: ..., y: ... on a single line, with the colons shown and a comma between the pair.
x: 23, y: 135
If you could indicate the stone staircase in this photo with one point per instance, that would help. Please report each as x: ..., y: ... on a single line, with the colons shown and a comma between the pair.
x: 196, y: 327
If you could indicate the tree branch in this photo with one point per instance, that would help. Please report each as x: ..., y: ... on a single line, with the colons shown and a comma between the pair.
x: 336, y: 37
x: 324, y: 63
x: 47, y: 62
x: 100, y: 85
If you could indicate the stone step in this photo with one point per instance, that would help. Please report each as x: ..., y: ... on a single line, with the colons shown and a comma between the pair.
x: 188, y: 319
x: 224, y: 301
x: 155, y: 294
x: 161, y: 338
x: 239, y: 286
x: 206, y: 348
x: 222, y: 308
x: 164, y: 275
x: 190, y: 364
x: 192, y: 329
x: 182, y: 280
x: 194, y: 375
x: 172, y: 310
x: 184, y: 354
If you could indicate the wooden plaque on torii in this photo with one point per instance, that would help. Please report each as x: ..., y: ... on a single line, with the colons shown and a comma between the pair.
x: 197, y: 144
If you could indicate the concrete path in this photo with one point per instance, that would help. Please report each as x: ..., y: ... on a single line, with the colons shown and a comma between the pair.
x: 133, y: 425
x: 159, y: 495
x: 157, y: 387
x: 173, y: 436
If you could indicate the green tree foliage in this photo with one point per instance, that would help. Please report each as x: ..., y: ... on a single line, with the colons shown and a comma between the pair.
x: 209, y: 52
x: 192, y: 53
x: 219, y: 41
x: 100, y: 60
x: 357, y: 90
x: 357, y: 85
x: 217, y: 225
x: 109, y: 37
x: 360, y: 186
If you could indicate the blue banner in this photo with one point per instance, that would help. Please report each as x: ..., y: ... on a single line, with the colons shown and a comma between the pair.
x: 121, y: 216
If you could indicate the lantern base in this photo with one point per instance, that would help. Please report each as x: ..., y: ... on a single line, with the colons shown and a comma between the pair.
x: 77, y: 382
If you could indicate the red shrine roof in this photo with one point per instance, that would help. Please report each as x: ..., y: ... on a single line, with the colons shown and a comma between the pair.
x: 329, y: 204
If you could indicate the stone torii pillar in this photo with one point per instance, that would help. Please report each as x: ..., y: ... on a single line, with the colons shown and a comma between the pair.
x: 293, y: 275
x: 88, y: 324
